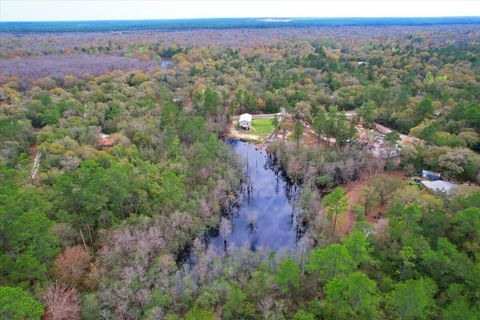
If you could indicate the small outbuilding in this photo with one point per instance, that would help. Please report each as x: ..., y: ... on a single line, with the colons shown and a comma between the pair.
x: 245, y: 121
x: 105, y: 141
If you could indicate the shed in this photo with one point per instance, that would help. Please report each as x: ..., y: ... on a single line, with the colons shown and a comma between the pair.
x: 431, y: 175
x: 105, y: 141
x: 245, y: 121
x: 440, y: 186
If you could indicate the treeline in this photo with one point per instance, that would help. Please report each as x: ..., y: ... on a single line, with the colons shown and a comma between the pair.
x: 222, y: 23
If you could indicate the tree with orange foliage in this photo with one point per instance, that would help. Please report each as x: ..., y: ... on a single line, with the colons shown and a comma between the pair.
x: 72, y: 265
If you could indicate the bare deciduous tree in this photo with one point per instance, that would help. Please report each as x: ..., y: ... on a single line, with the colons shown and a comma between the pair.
x: 61, y: 303
x: 225, y: 230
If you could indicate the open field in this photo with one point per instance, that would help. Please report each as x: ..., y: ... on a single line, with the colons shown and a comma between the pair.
x: 262, y: 127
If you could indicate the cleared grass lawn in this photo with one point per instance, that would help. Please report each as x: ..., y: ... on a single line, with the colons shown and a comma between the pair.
x: 262, y: 127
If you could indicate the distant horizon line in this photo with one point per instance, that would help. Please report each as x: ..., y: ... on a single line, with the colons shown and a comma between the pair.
x: 240, y: 18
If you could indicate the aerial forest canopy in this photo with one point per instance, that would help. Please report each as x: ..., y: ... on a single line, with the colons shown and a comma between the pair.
x: 114, y: 169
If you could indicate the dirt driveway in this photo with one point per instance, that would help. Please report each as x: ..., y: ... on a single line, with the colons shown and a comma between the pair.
x: 354, y: 193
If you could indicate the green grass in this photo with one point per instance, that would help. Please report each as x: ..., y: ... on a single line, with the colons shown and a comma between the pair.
x: 291, y: 138
x: 262, y: 127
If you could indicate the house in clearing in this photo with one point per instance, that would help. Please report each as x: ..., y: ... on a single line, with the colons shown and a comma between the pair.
x: 245, y: 121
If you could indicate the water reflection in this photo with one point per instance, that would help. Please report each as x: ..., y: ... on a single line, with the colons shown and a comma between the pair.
x: 266, y: 216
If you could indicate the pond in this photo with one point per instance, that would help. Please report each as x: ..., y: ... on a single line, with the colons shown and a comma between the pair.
x: 268, y: 206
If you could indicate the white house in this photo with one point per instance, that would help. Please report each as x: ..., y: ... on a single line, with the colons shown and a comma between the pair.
x: 245, y: 121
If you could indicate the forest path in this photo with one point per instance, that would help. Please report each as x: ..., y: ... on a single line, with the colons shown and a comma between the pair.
x: 36, y: 165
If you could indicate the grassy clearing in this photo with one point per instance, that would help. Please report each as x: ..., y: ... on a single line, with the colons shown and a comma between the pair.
x: 262, y: 127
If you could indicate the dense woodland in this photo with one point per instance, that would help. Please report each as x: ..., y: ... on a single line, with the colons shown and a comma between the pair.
x: 98, y: 232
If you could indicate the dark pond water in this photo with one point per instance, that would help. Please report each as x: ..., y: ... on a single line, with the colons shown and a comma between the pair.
x: 266, y: 216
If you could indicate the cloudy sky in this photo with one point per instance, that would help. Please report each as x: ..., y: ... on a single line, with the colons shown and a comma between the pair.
x: 55, y: 10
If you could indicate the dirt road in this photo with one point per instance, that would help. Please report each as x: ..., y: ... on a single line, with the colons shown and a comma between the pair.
x: 383, y: 129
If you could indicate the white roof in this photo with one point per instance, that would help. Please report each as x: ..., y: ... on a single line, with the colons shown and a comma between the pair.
x: 440, y: 185
x: 245, y: 117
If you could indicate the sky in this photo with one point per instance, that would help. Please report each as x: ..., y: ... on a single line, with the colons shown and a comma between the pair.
x: 65, y: 10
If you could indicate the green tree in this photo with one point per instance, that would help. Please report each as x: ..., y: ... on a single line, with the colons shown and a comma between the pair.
x: 344, y: 131
x: 234, y: 303
x: 385, y: 185
x: 211, y: 101
x: 368, y: 112
x: 298, y: 132
x: 90, y: 307
x: 330, y: 262
x: 425, y: 108
x: 358, y: 247
x: 371, y: 198
x: 288, y: 276
x: 407, y: 255
x: 442, y: 138
x: 15, y: 304
x: 26, y: 241
x: 412, y: 299
x: 33, y: 246
x: 352, y: 297
x: 331, y: 123
x: 200, y: 314
x: 447, y: 265
x: 466, y: 229
x: 336, y: 204
x: 28, y: 245
x: 460, y: 310
x: 303, y: 315
x: 319, y: 124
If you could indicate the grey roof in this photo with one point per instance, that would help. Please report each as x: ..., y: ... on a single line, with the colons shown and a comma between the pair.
x: 440, y: 185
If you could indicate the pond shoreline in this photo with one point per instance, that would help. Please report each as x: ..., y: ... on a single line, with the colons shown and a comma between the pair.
x: 265, y: 216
